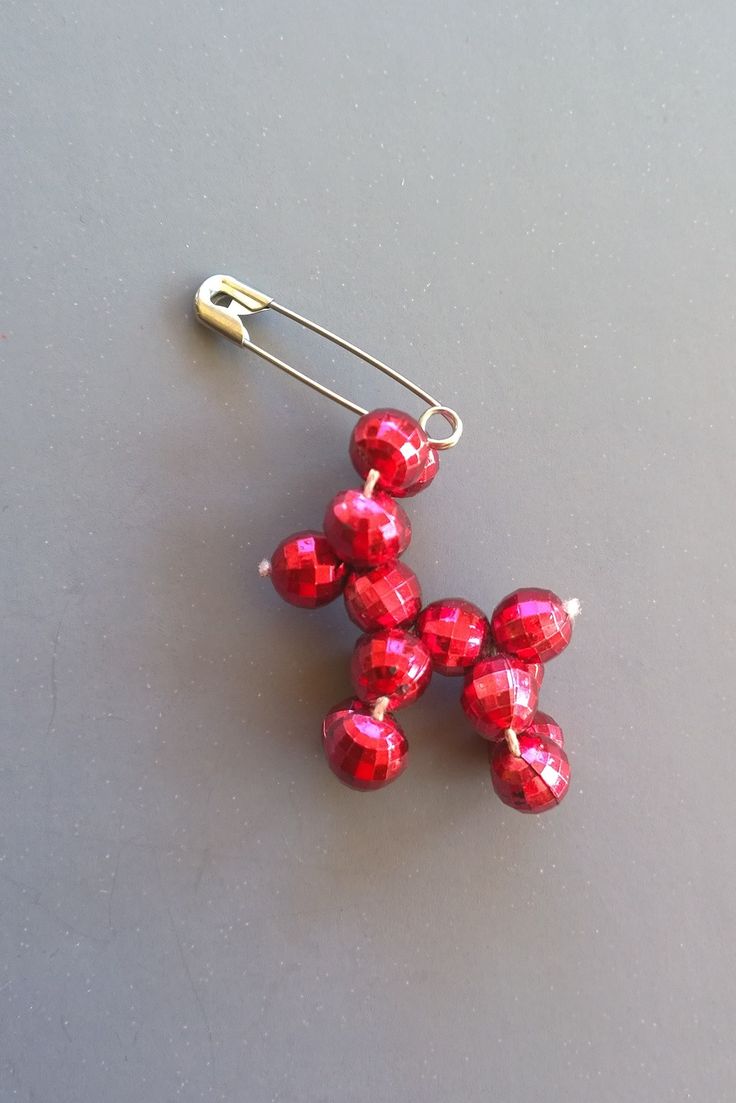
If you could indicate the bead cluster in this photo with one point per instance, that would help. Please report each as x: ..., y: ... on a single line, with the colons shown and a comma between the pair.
x: 500, y: 657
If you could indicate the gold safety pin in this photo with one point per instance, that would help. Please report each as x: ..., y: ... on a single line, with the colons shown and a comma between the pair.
x: 223, y: 304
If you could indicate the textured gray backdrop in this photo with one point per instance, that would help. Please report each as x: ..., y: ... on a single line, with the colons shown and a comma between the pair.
x: 529, y: 207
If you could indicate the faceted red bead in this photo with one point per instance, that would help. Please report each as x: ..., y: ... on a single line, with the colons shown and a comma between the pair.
x: 383, y: 597
x: 305, y: 570
x: 454, y: 632
x: 534, y: 782
x: 392, y: 443
x: 531, y: 624
x: 363, y: 752
x: 545, y: 726
x: 429, y: 471
x: 499, y: 693
x: 391, y: 663
x: 366, y: 530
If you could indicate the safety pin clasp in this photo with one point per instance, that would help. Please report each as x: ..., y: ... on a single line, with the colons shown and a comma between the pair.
x: 223, y: 304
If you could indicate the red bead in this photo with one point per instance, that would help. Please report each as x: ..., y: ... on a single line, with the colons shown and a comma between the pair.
x: 392, y: 443
x: 534, y: 782
x: 383, y: 597
x: 391, y: 663
x: 305, y: 570
x: 454, y: 632
x: 531, y: 624
x: 364, y: 752
x: 544, y: 725
x: 429, y: 471
x: 366, y: 530
x: 499, y: 693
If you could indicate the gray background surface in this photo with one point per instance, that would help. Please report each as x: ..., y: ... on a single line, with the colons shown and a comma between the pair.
x: 529, y: 207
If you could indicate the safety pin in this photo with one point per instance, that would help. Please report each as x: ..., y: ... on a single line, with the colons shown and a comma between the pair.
x: 223, y: 304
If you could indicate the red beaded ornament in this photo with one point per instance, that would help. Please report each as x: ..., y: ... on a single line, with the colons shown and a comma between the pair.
x: 364, y: 751
x: 386, y: 596
x: 305, y: 570
x: 391, y: 663
x: 391, y: 443
x: 534, y: 625
x: 454, y: 632
x: 365, y: 533
x: 499, y: 693
x: 366, y: 528
x: 534, y: 779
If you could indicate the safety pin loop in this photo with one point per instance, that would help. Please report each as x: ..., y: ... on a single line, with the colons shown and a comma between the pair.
x: 223, y: 304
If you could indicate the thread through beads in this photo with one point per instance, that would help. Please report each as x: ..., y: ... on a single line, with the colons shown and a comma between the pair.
x: 380, y: 708
x: 512, y: 742
x: 264, y: 568
x: 370, y: 483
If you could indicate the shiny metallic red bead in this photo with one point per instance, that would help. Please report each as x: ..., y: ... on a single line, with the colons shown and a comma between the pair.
x: 363, y: 752
x: 499, y: 693
x: 534, y: 782
x: 305, y: 571
x: 386, y: 596
x: 531, y: 624
x: 392, y: 443
x: 454, y: 632
x: 543, y: 725
x: 391, y: 663
x: 366, y: 530
x: 430, y: 470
